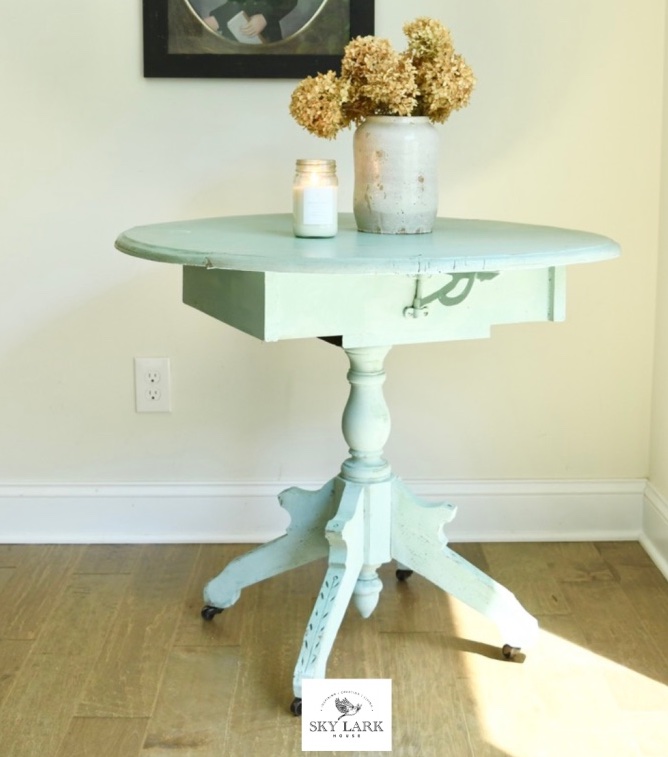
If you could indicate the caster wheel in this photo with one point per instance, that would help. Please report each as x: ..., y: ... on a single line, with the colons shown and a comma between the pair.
x: 403, y: 573
x: 296, y: 707
x: 509, y: 652
x: 209, y: 612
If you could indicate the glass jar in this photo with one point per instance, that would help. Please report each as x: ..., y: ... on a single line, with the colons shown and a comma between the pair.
x: 314, y: 198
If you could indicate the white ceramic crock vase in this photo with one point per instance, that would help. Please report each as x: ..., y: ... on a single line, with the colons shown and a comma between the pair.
x: 396, y: 175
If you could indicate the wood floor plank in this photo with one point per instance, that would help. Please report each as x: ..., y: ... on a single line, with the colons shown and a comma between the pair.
x: 127, y: 674
x: 645, y: 588
x: 36, y: 715
x: 422, y: 698
x: 13, y: 655
x: 5, y: 575
x: 279, y: 736
x: 225, y: 629
x: 526, y: 572
x: 577, y: 562
x: 79, y: 624
x: 196, y: 703
x: 568, y: 561
x: 624, y: 553
x: 10, y: 554
x: 567, y: 628
x: 104, y: 737
x: 34, y: 588
x: 613, y: 631
x: 109, y: 558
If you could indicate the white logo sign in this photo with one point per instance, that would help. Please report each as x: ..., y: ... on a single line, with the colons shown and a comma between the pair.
x: 347, y: 715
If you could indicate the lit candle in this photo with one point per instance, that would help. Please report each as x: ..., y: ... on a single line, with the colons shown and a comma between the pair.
x: 314, y: 194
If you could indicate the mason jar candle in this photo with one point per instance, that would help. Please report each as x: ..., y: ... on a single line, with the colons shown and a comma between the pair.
x: 314, y: 198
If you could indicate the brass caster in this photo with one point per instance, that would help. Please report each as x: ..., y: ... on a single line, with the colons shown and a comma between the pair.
x: 209, y: 612
x: 510, y: 653
x: 296, y: 707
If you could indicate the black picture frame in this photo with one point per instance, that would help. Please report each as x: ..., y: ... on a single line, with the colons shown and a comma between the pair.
x: 178, y: 43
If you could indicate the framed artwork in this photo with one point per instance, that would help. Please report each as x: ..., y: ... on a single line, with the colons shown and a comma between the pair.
x: 277, y: 39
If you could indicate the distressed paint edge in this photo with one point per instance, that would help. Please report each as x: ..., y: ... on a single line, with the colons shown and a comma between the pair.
x: 248, y: 512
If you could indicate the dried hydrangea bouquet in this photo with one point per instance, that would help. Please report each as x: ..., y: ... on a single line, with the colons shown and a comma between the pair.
x: 394, y: 99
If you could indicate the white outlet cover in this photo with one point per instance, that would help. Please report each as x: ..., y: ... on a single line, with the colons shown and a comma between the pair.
x: 153, y: 385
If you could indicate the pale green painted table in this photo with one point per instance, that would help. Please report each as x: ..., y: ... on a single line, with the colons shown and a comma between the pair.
x: 368, y: 292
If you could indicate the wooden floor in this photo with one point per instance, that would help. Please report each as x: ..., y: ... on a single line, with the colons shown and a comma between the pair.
x: 103, y: 654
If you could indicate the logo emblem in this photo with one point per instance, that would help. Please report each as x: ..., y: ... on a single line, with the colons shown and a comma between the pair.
x: 346, y: 708
x: 346, y: 715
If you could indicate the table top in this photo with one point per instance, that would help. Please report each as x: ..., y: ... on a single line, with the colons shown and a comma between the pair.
x: 267, y: 243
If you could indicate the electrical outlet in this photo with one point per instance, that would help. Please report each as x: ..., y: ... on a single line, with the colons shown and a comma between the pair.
x: 152, y: 385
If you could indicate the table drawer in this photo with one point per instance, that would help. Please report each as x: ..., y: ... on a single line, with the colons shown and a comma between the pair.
x: 375, y: 310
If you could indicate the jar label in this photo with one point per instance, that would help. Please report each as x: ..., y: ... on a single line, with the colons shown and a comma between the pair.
x: 318, y: 205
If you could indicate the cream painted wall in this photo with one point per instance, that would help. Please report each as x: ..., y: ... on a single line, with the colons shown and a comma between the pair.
x: 564, y: 129
x: 659, y: 437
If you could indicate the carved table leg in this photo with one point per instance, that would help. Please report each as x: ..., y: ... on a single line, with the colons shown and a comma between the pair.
x: 345, y: 533
x: 303, y: 542
x: 419, y: 542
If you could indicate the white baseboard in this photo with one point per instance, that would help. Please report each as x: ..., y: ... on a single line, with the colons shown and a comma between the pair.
x: 249, y: 512
x: 655, y: 528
